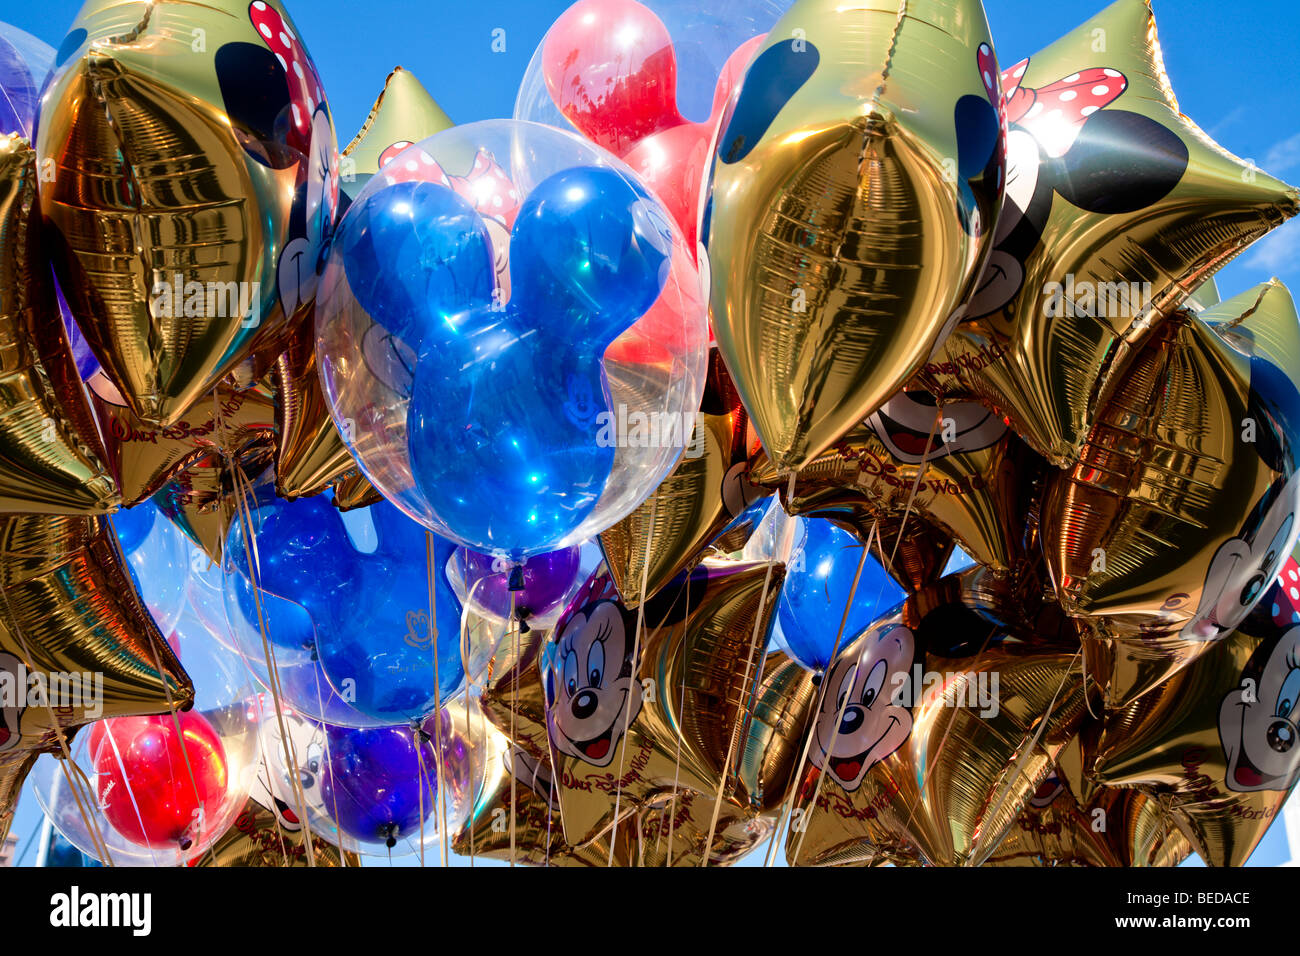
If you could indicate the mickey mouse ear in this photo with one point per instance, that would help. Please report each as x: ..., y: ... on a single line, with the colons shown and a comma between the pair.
x: 593, y: 248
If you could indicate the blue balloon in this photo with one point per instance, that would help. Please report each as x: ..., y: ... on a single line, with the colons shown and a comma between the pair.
x: 523, y: 386
x: 416, y: 256
x: 354, y: 591
x: 375, y: 784
x: 818, y: 581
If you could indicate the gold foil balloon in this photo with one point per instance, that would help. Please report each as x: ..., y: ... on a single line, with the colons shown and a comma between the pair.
x: 676, y: 832
x: 515, y: 816
x: 256, y: 839
x: 1150, y: 836
x: 1117, y: 207
x: 1054, y: 830
x: 1217, y: 743
x: 191, y: 184
x: 204, y: 499
x: 51, y: 459
x: 312, y: 454
x: 222, y: 425
x: 76, y: 641
x: 1182, y: 506
x: 667, y: 532
x: 928, y: 743
x: 354, y: 491
x: 854, y: 192
x: 956, y: 467
x: 635, y: 710
x: 403, y: 114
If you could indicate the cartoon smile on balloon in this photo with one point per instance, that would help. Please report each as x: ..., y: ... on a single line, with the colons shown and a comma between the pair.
x: 1259, y: 720
x: 590, y: 690
x: 1062, y: 140
x: 861, y: 722
x: 907, y: 426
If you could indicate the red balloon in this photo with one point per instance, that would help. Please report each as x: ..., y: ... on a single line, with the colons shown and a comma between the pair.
x: 672, y: 164
x: 611, y: 69
x: 146, y: 790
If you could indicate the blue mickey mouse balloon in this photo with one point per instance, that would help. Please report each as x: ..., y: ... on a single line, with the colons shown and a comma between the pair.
x: 473, y: 328
x: 818, y: 582
x: 345, y: 600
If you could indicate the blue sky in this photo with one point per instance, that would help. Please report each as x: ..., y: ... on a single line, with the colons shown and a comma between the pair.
x: 1233, y: 67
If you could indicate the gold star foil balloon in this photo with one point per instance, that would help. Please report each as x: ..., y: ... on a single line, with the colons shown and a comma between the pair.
x: 1117, y: 207
x: 927, y: 743
x: 1182, y: 506
x: 190, y: 185
x: 1217, y: 743
x: 256, y: 839
x: 1054, y: 830
x: 855, y: 187
x: 51, y: 458
x: 223, y: 425
x: 639, y: 702
x: 76, y: 641
x: 667, y: 532
x: 354, y: 491
x: 955, y: 468
x: 312, y: 454
x: 515, y: 792
x: 204, y: 499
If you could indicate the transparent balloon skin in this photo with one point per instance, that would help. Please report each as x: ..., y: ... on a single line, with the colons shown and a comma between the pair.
x: 328, y: 580
x: 225, y: 697
x: 653, y: 372
x: 703, y: 36
x: 159, y: 554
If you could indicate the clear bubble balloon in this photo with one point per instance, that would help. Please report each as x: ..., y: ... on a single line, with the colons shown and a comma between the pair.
x: 160, y: 791
x: 158, y: 554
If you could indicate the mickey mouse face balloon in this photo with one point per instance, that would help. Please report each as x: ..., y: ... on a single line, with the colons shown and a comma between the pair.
x: 531, y: 357
x: 175, y: 287
x: 1117, y: 206
x: 856, y: 184
x: 1183, y: 506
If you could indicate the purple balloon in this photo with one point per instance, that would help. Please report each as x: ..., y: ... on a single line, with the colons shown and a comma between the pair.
x: 547, y: 581
x: 373, y: 785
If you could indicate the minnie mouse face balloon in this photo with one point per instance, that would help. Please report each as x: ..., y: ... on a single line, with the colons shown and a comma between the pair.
x: 1116, y: 207
x: 223, y: 95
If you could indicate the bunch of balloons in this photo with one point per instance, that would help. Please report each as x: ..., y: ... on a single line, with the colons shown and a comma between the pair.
x: 762, y: 438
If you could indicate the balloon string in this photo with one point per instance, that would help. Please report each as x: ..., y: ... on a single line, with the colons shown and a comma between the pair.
x: 787, y: 805
x: 1017, y: 769
x: 514, y: 707
x: 636, y: 669
x: 755, y: 649
x: 893, y: 553
x: 270, y: 782
x: 440, y: 798
x: 677, y: 764
x: 420, y: 779
x: 236, y: 472
x: 243, y: 493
